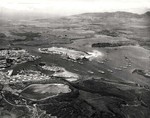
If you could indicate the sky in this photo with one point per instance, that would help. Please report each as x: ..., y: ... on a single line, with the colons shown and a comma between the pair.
x: 70, y: 7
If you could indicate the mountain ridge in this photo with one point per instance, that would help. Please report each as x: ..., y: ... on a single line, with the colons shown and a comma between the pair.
x: 114, y: 14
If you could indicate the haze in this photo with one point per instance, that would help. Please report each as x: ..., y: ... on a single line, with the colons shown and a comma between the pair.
x: 69, y: 7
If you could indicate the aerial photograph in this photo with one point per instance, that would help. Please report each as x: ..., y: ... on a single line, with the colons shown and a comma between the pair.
x: 74, y: 58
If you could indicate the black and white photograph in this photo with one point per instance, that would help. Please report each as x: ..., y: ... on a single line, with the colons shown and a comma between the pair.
x: 74, y: 58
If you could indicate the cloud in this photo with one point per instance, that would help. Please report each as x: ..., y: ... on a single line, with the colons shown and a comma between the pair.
x: 68, y: 7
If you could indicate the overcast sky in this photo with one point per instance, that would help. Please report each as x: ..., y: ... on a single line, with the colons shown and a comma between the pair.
x: 69, y: 7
